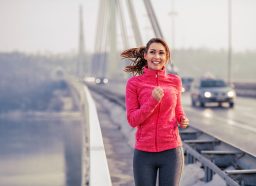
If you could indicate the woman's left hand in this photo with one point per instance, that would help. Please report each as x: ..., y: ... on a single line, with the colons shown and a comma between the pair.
x: 184, y: 122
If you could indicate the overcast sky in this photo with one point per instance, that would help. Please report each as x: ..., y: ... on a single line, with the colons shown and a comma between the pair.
x: 52, y: 25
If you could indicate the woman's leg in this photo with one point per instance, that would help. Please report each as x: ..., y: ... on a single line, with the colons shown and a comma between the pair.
x: 172, y: 162
x: 144, y: 168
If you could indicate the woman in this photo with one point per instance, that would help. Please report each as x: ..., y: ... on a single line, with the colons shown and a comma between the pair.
x: 153, y: 103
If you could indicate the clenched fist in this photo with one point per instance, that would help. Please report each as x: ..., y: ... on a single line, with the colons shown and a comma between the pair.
x: 158, y: 93
x: 184, y: 122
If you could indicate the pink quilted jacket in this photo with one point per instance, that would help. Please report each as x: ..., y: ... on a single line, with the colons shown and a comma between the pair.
x: 156, y: 121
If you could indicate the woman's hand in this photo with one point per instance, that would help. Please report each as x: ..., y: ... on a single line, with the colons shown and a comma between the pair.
x: 158, y: 93
x: 184, y: 122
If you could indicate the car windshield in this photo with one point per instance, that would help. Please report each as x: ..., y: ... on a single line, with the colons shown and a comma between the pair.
x: 187, y: 80
x: 213, y: 83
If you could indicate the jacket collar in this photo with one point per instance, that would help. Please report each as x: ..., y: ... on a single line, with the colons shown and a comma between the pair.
x: 153, y: 73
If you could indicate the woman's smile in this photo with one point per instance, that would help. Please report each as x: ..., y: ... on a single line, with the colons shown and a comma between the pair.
x: 156, y: 56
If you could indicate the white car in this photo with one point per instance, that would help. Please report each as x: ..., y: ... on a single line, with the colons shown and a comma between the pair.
x: 212, y: 90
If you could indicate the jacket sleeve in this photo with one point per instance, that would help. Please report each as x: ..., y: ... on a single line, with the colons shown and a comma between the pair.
x: 178, y: 109
x: 135, y: 112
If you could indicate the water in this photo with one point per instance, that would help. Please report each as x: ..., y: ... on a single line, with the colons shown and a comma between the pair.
x: 40, y: 151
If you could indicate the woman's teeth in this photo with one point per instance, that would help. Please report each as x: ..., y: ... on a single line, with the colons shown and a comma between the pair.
x: 156, y: 62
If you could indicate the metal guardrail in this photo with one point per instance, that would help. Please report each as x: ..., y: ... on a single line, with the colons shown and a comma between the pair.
x: 245, y: 89
x: 217, y: 157
x: 209, y: 166
x: 213, y: 160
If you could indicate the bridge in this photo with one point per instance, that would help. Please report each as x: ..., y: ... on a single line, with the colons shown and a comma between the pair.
x: 60, y: 128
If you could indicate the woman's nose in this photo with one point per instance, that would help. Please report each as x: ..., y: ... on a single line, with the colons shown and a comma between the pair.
x: 157, y: 55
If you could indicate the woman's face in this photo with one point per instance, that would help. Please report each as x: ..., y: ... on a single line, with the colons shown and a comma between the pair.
x: 156, y: 56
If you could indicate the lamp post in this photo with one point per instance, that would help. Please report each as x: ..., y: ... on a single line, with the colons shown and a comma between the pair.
x: 173, y: 14
x: 229, y: 40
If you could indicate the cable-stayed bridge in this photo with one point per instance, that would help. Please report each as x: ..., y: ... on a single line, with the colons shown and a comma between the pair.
x: 54, y: 128
x: 106, y: 60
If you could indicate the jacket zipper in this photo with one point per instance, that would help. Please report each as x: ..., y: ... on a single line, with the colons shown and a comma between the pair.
x: 157, y: 83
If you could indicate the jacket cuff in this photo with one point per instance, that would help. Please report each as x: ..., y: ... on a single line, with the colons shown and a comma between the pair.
x: 179, y: 118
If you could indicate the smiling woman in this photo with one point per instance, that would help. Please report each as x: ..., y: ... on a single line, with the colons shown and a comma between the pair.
x: 153, y: 106
x: 156, y: 56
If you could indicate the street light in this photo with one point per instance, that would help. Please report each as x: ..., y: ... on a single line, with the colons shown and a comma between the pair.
x: 173, y: 14
x: 229, y: 39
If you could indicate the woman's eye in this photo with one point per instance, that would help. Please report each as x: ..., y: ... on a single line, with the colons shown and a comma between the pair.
x: 159, y: 53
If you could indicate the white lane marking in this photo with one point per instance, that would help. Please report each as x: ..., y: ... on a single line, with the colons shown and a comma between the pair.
x: 243, y: 126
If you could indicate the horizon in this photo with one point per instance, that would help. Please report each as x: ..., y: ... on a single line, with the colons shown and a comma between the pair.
x: 187, y: 63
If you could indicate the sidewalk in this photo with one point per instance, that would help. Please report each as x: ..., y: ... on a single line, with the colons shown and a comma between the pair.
x: 119, y: 153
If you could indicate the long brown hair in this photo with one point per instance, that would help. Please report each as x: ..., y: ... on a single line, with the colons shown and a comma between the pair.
x: 136, y: 56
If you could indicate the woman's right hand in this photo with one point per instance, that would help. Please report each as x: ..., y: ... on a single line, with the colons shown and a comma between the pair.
x: 158, y: 93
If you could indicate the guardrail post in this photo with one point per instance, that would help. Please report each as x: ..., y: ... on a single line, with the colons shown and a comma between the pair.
x: 207, y: 164
x: 208, y: 174
x: 189, y: 159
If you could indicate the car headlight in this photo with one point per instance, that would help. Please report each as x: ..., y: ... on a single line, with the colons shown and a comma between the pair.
x: 97, y: 80
x: 105, y: 80
x: 207, y: 94
x: 231, y: 93
x: 183, y: 89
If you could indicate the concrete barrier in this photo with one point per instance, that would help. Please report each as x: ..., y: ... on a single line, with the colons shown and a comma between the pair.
x: 245, y: 89
x: 99, y: 172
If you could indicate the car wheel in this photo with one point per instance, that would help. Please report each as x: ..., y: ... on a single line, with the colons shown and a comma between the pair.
x: 193, y: 102
x: 231, y: 104
x: 202, y: 104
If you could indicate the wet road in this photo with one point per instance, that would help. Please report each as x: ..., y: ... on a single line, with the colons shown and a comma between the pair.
x: 235, y: 126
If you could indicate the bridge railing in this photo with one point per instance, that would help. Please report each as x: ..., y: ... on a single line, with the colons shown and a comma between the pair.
x: 95, y: 169
x: 99, y: 172
x: 245, y: 89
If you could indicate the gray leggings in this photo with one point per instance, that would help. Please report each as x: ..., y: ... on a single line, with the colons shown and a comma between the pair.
x: 169, y: 163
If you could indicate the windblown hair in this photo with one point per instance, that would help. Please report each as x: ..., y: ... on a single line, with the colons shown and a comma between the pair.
x: 136, y: 56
